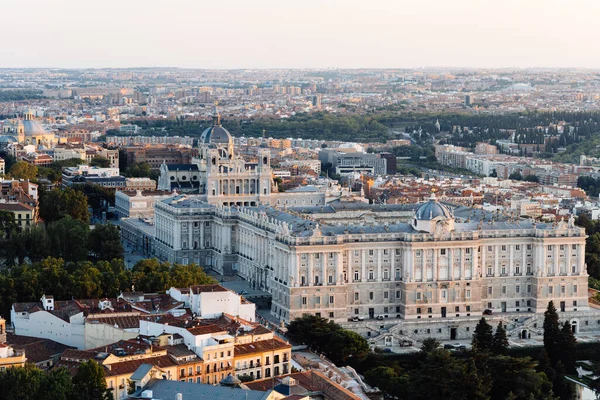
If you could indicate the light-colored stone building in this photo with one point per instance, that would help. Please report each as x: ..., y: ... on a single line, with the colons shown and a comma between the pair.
x: 446, y: 265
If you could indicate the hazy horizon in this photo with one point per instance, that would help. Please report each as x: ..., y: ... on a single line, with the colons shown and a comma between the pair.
x: 311, y: 34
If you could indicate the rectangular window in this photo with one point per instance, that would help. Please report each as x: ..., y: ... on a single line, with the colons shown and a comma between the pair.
x: 356, y: 276
x: 443, y: 252
x: 331, y: 300
x: 303, y: 300
x: 528, y: 247
x: 489, y: 248
x: 418, y: 310
x: 503, y: 247
x: 370, y: 295
x: 371, y: 252
x: 371, y: 275
x: 356, y: 253
x: 418, y: 253
x: 489, y: 290
x: 467, y: 251
x: 518, y: 247
x: 317, y: 300
x: 468, y: 308
x: 549, y: 247
x: 550, y: 289
x: 398, y: 294
x: 562, y: 247
x: 331, y: 315
x: 517, y: 289
x: 528, y: 288
x: 356, y: 296
x: 574, y: 247
x: 429, y: 310
x: 575, y: 289
x: 385, y: 294
x: 418, y: 295
x: 385, y: 252
x: 503, y: 289
x: 562, y: 289
x: 468, y: 294
x: 457, y: 309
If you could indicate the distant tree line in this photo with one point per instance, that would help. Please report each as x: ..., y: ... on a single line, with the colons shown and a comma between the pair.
x: 20, y: 94
x: 319, y: 125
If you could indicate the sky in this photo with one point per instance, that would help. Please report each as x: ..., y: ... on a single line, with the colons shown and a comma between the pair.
x: 226, y: 34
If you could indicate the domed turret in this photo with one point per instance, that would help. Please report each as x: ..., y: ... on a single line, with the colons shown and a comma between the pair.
x: 430, y: 213
x: 217, y: 136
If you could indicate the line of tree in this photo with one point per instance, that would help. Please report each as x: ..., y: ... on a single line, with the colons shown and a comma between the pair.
x: 323, y: 336
x: 20, y: 94
x: 318, y: 125
x: 92, y: 280
x: 485, y: 372
x: 31, y: 383
x: 592, y: 246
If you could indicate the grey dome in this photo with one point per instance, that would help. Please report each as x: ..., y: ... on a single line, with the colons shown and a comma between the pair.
x: 431, y: 210
x: 32, y: 127
x: 216, y: 134
x: 230, y: 380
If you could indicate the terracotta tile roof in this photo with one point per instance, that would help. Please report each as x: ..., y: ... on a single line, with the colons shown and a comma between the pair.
x: 122, y: 321
x: 260, y: 347
x: 312, y: 381
x: 37, y: 350
x: 205, y: 329
x: 129, y: 367
x: 207, y: 288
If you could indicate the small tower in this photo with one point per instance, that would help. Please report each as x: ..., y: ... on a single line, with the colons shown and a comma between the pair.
x: 47, y: 302
x: 2, y: 330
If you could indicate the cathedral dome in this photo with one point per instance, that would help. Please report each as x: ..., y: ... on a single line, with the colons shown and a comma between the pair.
x: 432, y: 209
x: 33, y: 128
x: 216, y: 134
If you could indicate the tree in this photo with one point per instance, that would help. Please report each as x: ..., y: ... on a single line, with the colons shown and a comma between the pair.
x: 104, y: 242
x: 101, y: 162
x: 328, y: 338
x: 551, y: 332
x: 531, y: 178
x: 500, y: 342
x: 69, y: 239
x: 24, y: 170
x: 89, y: 382
x: 516, y: 176
x: 567, y: 348
x: 58, y: 203
x: 429, y: 344
x: 483, y: 338
x: 345, y: 344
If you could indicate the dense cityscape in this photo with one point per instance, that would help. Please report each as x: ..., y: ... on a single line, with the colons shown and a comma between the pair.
x: 231, y: 232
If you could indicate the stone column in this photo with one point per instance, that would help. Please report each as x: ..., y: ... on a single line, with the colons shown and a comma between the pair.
x: 379, y: 277
x: 309, y: 269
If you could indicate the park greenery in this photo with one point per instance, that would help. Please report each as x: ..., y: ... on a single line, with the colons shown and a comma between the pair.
x: 20, y: 94
x: 319, y: 125
x: 326, y: 337
x: 31, y: 383
x: 489, y: 371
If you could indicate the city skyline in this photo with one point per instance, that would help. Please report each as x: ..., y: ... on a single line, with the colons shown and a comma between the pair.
x: 310, y: 34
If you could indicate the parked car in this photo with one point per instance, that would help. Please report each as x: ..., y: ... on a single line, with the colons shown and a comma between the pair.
x: 243, y: 292
x: 487, y: 311
x: 387, y: 350
x: 380, y: 317
x: 406, y: 343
